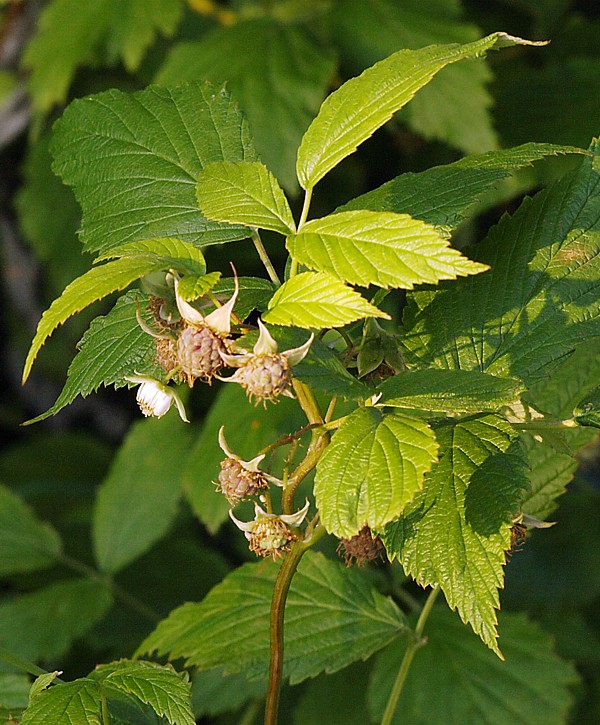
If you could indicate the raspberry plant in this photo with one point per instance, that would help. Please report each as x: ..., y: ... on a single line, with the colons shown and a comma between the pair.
x: 406, y: 423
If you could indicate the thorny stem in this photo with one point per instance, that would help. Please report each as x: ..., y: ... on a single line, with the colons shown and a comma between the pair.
x: 119, y: 593
x: 414, y: 644
x: 264, y: 258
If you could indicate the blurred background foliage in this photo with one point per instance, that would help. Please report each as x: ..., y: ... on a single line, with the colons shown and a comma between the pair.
x: 102, y: 580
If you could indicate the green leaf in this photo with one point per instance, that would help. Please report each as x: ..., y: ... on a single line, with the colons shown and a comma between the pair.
x: 190, y: 288
x: 230, y: 628
x: 167, y: 692
x: 373, y: 467
x: 368, y: 247
x: 135, y: 24
x: 148, y: 149
x: 457, y: 529
x: 260, y: 426
x: 540, y: 299
x: 44, y: 624
x: 587, y: 411
x: 67, y: 33
x: 170, y: 252
x: 42, y: 682
x: 14, y: 692
x: 214, y: 693
x: 453, y: 680
x: 318, y: 299
x: 455, y: 106
x: 91, y: 286
x: 66, y: 704
x: 449, y: 391
x: 254, y: 294
x: 244, y: 193
x: 26, y: 544
x: 114, y: 346
x: 444, y: 195
x: 363, y: 104
x: 138, y: 501
x: 276, y: 71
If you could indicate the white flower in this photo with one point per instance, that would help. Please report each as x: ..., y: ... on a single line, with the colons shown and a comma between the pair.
x: 154, y: 398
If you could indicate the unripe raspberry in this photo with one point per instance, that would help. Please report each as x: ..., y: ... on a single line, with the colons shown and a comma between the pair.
x: 361, y: 548
x: 265, y: 377
x: 199, y: 353
x: 237, y: 482
x: 270, y: 537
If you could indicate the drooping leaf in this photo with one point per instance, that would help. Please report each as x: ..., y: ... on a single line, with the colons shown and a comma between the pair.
x: 137, y: 502
x: 368, y: 247
x: 373, y: 467
x: 363, y: 104
x: 538, y: 301
x: 26, y: 543
x: 230, y: 628
x: 276, y: 71
x: 454, y: 680
x: 444, y: 195
x: 171, y: 134
x: 114, y: 346
x: 66, y: 704
x: 91, y: 286
x: 248, y: 429
x: 449, y: 391
x: 244, y: 193
x: 456, y: 530
x: 44, y: 624
x: 318, y: 299
x: 167, y: 692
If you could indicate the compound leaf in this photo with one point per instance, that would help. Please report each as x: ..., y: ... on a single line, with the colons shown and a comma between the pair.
x: 148, y: 149
x: 244, y: 193
x: 373, y: 467
x: 318, y: 299
x: 363, y: 104
x: 368, y: 247
x: 456, y: 530
x: 230, y: 628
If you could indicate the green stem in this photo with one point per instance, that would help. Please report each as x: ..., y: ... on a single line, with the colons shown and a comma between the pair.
x: 264, y: 258
x: 280, y: 592
x: 411, y: 649
x: 21, y: 664
x: 105, y: 713
x: 305, y: 208
x: 119, y: 593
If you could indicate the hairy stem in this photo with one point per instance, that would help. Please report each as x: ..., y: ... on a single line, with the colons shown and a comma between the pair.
x: 411, y: 648
x: 280, y: 592
x: 264, y: 258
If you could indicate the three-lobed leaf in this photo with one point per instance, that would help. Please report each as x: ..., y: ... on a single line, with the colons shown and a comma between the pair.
x: 230, y: 628
x: 458, y: 527
x: 368, y: 247
x: 374, y: 465
x: 318, y: 299
x: 363, y: 104
x: 244, y: 193
x: 449, y: 391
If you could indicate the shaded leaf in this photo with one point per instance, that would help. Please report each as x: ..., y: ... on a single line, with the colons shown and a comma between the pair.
x: 214, y: 693
x: 137, y: 502
x: 244, y: 193
x: 26, y: 543
x: 230, y: 628
x: 148, y: 149
x: 451, y: 391
x: 66, y: 704
x: 457, y: 529
x: 372, y: 468
x: 276, y: 71
x: 454, y: 680
x: 318, y: 299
